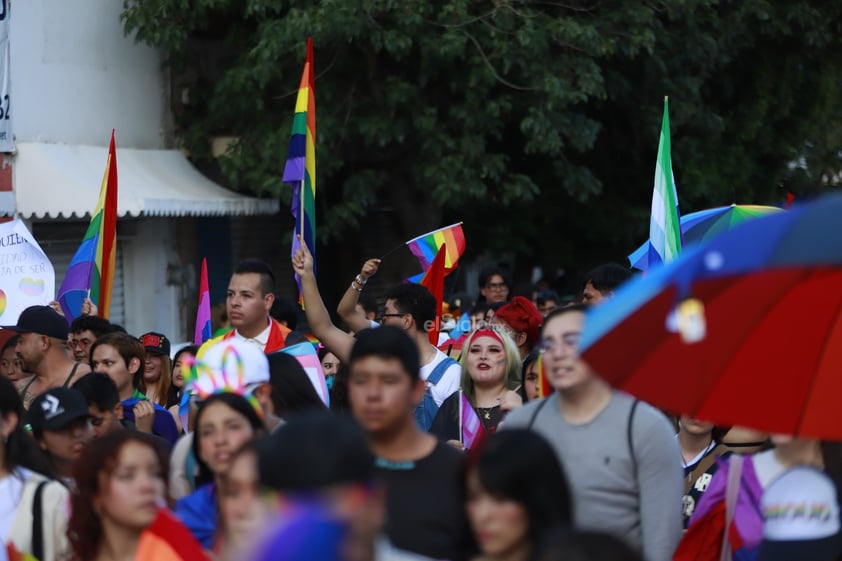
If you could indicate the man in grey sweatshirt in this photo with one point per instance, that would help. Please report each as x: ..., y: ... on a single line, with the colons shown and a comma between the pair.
x: 620, y: 455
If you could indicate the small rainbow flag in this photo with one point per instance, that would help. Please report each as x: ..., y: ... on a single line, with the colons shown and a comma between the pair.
x: 426, y: 246
x: 300, y: 168
x: 544, y: 387
x: 203, y: 315
x: 91, y: 270
x: 167, y: 539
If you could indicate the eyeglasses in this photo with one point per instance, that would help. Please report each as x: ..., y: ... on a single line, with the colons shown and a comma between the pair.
x: 82, y: 343
x: 570, y: 340
x: 384, y: 316
x: 496, y: 286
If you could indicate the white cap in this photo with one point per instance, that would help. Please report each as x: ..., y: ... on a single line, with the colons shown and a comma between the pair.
x: 229, y: 365
x: 801, y: 516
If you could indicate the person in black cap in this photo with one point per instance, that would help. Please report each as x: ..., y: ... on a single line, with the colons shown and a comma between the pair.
x: 59, y: 422
x: 156, y: 380
x: 42, y: 347
x: 338, y: 473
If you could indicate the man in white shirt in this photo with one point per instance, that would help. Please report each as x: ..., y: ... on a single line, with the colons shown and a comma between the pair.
x: 251, y: 292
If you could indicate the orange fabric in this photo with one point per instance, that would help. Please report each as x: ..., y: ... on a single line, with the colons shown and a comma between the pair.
x: 277, y: 337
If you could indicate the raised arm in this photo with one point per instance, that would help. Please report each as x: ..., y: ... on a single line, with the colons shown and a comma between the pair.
x: 347, y: 308
x: 337, y: 341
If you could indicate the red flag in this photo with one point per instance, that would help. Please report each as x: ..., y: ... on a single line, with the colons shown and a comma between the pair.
x: 433, y: 280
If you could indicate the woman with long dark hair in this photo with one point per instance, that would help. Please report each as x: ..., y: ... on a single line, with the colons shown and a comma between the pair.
x: 224, y: 423
x: 121, y: 491
x: 33, y: 506
x: 517, y: 494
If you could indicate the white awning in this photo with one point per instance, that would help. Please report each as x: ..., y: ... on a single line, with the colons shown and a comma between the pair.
x: 63, y: 181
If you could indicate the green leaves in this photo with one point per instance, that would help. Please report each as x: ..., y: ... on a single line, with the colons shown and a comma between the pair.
x: 544, y: 109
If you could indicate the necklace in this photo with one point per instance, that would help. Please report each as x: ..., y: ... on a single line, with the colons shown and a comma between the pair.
x: 485, y: 412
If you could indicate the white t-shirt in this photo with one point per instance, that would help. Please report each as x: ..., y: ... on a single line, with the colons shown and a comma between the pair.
x: 11, y: 490
x: 448, y: 384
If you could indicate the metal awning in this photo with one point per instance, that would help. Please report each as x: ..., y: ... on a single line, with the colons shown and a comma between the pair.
x: 63, y: 181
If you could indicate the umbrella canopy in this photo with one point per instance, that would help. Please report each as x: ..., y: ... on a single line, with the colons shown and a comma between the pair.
x: 703, y: 225
x: 771, y: 354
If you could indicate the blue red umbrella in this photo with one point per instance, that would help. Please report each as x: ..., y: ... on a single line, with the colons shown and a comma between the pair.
x: 744, y: 329
x: 703, y: 225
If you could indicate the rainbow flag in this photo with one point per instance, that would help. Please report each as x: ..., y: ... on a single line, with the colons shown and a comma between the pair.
x: 308, y: 358
x: 426, y: 246
x: 544, y: 386
x: 203, y: 315
x: 167, y: 539
x: 91, y: 270
x: 300, y: 168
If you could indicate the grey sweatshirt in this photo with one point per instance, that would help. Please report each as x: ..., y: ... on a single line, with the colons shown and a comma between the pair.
x: 596, y: 458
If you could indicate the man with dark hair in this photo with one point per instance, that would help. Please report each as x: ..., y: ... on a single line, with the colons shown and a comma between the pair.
x: 104, y: 406
x: 421, y: 475
x: 251, y: 293
x: 84, y: 330
x: 121, y: 357
x: 42, y: 348
x: 412, y: 308
x: 546, y: 301
x: 603, y: 281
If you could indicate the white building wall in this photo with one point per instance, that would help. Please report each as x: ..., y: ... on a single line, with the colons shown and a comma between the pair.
x: 75, y: 76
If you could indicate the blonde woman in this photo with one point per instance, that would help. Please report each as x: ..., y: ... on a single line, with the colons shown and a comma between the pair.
x: 490, y: 380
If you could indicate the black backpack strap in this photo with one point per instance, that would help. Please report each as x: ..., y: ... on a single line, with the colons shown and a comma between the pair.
x: 38, y: 522
x: 537, y: 410
x: 72, y: 373
x: 630, y: 437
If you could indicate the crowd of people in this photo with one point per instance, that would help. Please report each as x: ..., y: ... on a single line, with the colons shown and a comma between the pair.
x: 496, y: 443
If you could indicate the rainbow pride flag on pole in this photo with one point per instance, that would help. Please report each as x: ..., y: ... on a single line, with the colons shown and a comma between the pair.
x: 426, y: 246
x: 203, y: 315
x: 300, y: 168
x: 91, y: 270
x: 664, y: 230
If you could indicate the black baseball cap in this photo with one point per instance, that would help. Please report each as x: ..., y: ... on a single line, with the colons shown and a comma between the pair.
x: 314, y: 450
x: 55, y: 408
x: 155, y: 343
x: 42, y: 320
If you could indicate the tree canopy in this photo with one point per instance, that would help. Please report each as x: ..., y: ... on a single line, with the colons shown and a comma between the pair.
x: 535, y: 122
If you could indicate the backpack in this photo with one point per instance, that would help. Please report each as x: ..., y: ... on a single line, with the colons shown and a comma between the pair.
x: 426, y: 411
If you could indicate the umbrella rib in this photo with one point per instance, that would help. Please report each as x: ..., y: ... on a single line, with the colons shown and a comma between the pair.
x: 802, y: 415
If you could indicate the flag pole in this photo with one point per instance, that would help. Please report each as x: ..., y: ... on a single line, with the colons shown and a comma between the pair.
x: 301, y: 213
x: 461, y: 436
